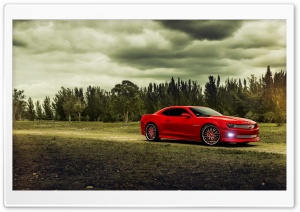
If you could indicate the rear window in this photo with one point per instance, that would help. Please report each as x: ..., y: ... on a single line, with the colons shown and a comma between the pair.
x: 174, y: 112
x: 166, y: 112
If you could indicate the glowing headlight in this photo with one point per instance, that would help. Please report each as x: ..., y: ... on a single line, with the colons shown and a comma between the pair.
x: 230, y: 135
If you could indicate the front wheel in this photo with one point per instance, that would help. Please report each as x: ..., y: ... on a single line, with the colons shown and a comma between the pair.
x: 152, y: 132
x: 210, y: 135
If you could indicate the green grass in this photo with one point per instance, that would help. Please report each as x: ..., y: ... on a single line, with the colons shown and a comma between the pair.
x: 114, y: 156
x: 271, y: 133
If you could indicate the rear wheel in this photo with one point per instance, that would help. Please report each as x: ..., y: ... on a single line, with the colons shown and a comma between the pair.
x: 152, y: 132
x: 210, y: 135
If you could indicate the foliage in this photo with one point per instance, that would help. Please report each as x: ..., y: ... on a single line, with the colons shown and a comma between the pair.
x: 210, y: 93
x: 19, y: 104
x: 269, y: 117
x: 69, y: 103
x: 39, y: 110
x: 78, y: 108
x: 57, y: 104
x: 157, y: 96
x: 96, y: 103
x: 47, y: 108
x: 126, y: 99
x: 262, y: 99
x: 30, y: 110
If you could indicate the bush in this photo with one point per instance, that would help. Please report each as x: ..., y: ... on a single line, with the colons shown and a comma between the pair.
x: 252, y: 116
x: 280, y: 116
x: 108, y: 118
x: 87, y: 118
x: 269, y: 117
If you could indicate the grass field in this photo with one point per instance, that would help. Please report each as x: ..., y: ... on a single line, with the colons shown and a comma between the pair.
x: 114, y: 156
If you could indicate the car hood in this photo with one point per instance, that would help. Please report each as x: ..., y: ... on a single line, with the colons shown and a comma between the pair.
x: 234, y: 120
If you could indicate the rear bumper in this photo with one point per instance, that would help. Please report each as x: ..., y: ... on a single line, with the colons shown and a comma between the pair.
x: 142, y: 127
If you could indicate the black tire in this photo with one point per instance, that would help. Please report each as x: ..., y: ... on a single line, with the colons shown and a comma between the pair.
x: 151, y: 132
x: 210, y: 135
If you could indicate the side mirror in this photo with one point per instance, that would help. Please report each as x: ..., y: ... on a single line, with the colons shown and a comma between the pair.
x: 186, y: 115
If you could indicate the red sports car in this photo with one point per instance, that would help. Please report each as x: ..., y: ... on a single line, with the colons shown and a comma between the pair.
x: 197, y: 124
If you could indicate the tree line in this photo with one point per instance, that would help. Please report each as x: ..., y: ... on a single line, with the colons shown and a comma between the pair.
x: 261, y: 99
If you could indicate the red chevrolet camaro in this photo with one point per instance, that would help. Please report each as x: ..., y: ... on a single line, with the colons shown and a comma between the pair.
x: 197, y: 124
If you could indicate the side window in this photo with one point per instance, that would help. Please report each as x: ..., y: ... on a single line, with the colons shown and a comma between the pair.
x: 177, y: 112
x: 197, y: 113
x: 166, y: 112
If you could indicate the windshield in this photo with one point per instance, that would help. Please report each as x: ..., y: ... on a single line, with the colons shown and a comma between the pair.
x: 204, y: 111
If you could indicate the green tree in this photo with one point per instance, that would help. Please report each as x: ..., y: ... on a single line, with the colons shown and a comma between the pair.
x: 126, y: 99
x: 69, y: 103
x: 95, y: 101
x: 253, y: 107
x: 268, y: 91
x: 240, y: 109
x: 39, y: 110
x: 210, y: 92
x: 150, y: 99
x: 80, y: 104
x: 157, y: 96
x: 58, y: 102
x: 79, y: 107
x: 30, y: 110
x: 279, y: 97
x: 19, y: 104
x: 47, y: 108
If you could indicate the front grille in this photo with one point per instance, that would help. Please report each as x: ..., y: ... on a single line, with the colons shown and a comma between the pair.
x: 244, y: 126
x: 246, y: 136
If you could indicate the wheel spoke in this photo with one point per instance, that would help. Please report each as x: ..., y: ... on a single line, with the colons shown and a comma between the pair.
x: 151, y: 132
x: 211, y: 135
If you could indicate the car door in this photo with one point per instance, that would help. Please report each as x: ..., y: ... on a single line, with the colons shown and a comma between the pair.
x: 179, y: 126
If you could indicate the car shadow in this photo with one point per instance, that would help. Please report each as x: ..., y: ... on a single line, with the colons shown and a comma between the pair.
x: 237, y: 145
x: 180, y: 142
x: 223, y: 144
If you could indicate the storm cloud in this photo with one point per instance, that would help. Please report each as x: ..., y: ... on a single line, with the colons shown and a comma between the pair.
x: 48, y: 54
x: 19, y: 43
x: 204, y: 29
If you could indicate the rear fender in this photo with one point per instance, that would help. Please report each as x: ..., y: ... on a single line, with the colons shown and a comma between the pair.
x: 146, y: 119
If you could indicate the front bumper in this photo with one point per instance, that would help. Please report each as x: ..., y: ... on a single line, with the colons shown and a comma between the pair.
x: 240, y: 135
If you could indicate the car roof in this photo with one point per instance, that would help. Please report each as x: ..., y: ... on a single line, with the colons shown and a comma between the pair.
x: 175, y: 106
x: 182, y: 106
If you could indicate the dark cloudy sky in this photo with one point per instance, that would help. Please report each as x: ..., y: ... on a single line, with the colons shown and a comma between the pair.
x: 51, y: 54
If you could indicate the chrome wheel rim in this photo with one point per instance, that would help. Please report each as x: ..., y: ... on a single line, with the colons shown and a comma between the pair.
x: 151, y: 132
x: 211, y: 135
